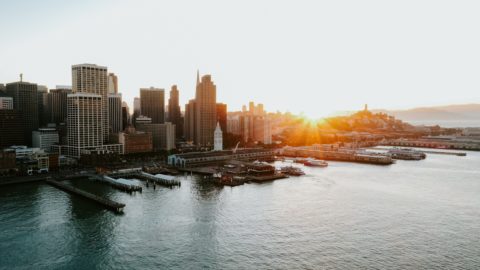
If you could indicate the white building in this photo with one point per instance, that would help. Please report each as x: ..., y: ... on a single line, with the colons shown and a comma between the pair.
x: 44, y: 138
x: 218, y: 138
x: 92, y: 79
x: 84, y: 126
x: 6, y: 103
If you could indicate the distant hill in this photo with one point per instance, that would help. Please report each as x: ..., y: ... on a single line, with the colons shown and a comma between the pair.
x: 462, y: 112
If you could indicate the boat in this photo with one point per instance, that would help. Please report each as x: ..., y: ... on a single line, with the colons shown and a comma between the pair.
x: 290, y: 170
x: 299, y: 160
x: 315, y: 163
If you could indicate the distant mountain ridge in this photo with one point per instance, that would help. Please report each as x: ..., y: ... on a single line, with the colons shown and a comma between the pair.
x: 458, y: 112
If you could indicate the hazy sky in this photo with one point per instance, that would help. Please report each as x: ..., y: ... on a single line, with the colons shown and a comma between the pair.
x: 315, y: 57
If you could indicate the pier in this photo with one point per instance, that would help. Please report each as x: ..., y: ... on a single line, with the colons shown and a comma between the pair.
x: 112, y: 205
x: 160, y: 179
x: 345, y: 155
x: 121, y: 184
x: 452, y: 153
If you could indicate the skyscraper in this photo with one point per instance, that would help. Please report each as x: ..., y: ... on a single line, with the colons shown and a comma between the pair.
x: 57, y: 104
x: 152, y: 104
x: 222, y: 115
x: 125, y: 115
x: 115, y: 113
x: 89, y: 78
x: 84, y: 122
x: 11, y: 128
x: 112, y: 83
x: 25, y: 100
x: 42, y: 99
x: 174, y: 113
x: 205, y: 111
x: 189, y: 121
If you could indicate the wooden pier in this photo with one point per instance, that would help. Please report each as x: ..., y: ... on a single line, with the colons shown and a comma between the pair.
x: 112, y: 205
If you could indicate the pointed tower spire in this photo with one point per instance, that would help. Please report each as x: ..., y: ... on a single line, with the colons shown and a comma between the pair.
x: 198, y: 77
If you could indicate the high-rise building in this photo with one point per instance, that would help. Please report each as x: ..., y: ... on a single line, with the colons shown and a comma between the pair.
x: 44, y: 138
x: 112, y: 83
x: 152, y: 104
x: 251, y: 107
x: 42, y: 99
x: 57, y: 104
x: 136, y: 110
x: 255, y: 125
x: 233, y: 124
x: 205, y: 111
x: 11, y: 128
x: 174, y: 113
x: 25, y: 100
x: 163, y: 135
x: 115, y: 113
x: 125, y: 115
x: 218, y: 138
x: 2, y: 88
x: 136, y: 105
x: 89, y: 78
x: 84, y: 122
x: 189, y: 121
x: 6, y: 103
x: 222, y: 115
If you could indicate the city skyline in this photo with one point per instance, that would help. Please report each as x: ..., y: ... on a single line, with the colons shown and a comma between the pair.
x: 383, y: 59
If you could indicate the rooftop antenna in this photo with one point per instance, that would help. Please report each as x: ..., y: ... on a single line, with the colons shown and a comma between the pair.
x: 21, y: 77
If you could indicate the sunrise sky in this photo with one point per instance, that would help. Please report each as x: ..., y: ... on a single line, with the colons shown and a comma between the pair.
x: 315, y: 57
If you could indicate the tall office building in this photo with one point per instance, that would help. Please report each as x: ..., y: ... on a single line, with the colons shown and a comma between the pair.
x: 6, y: 103
x: 189, y: 121
x: 174, y: 113
x: 152, y: 104
x: 163, y: 135
x: 255, y: 125
x: 136, y: 105
x: 84, y: 122
x: 205, y: 111
x: 89, y: 78
x: 25, y: 100
x: 42, y: 99
x: 112, y: 83
x: 115, y: 113
x: 57, y: 104
x: 222, y: 116
x: 125, y: 115
x: 11, y: 128
x: 136, y: 110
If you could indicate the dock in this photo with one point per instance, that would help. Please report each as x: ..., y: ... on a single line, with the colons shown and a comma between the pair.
x: 452, y: 153
x: 112, y: 205
x: 120, y: 183
x: 265, y: 178
x: 160, y: 179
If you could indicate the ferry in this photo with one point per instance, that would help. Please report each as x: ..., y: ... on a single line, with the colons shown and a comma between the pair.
x: 315, y: 163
